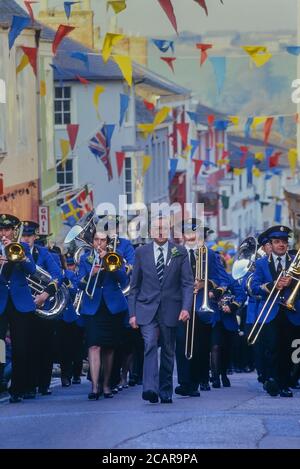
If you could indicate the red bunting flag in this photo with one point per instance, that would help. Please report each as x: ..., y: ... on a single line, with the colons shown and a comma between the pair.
x: 82, y: 80
x: 203, y: 48
x: 28, y: 4
x: 120, y: 156
x: 211, y: 120
x: 244, y: 151
x: 72, y: 130
x: 1, y: 184
x: 149, y: 106
x: 169, y: 10
x: 197, y: 167
x: 62, y: 31
x: 202, y: 3
x: 183, y: 130
x: 274, y: 159
x: 267, y: 129
x: 31, y: 53
x: 169, y: 61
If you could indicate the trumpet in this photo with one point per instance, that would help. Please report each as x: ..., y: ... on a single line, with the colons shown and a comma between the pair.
x: 14, y: 252
x: 200, y: 274
x: 293, y: 272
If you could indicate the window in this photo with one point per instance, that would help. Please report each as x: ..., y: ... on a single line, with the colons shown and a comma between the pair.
x: 65, y: 175
x: 240, y: 182
x: 224, y: 212
x: 128, y: 180
x: 62, y: 105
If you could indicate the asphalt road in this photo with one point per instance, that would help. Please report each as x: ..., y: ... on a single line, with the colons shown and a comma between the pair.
x: 242, y: 416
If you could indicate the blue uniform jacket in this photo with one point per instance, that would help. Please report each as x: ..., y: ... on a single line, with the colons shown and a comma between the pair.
x: 16, y: 285
x: 109, y: 288
x: 69, y: 314
x: 46, y: 261
x: 229, y: 320
x: 125, y: 248
x: 253, y: 302
x: 218, y: 278
x: 264, y: 276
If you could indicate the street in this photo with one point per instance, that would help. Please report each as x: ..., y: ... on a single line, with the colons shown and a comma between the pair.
x: 242, y: 416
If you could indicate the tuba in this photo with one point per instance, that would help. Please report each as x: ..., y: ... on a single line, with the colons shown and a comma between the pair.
x: 38, y: 283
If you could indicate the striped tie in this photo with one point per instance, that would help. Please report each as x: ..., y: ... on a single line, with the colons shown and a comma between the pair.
x: 160, y: 265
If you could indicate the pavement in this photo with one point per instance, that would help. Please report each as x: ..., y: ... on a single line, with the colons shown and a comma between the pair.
x: 242, y: 416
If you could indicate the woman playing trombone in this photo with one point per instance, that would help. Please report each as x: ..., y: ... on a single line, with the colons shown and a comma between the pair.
x: 103, y: 307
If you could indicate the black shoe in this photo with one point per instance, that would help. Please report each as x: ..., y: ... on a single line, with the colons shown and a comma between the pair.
x: 93, y: 396
x: 194, y: 393
x: 181, y: 390
x: 29, y: 395
x: 216, y: 383
x: 15, y: 399
x: 132, y: 382
x: 76, y: 381
x: 225, y: 381
x: 168, y: 400
x: 150, y: 396
x: 260, y: 379
x: 45, y: 391
x: 204, y: 387
x: 108, y: 395
x: 115, y: 390
x: 271, y: 387
x: 65, y: 382
x: 286, y: 392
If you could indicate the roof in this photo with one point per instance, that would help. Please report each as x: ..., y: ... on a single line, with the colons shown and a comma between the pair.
x: 9, y: 8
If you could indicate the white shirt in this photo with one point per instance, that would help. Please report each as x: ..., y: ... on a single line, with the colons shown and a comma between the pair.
x: 97, y: 257
x: 157, y: 251
x: 194, y: 248
x: 275, y: 259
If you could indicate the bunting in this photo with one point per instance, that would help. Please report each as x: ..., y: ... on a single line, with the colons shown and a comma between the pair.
x: 72, y: 130
x: 62, y: 31
x: 65, y: 150
x: 146, y: 163
x: 67, y: 7
x: 173, y: 169
x: 110, y: 41
x: 23, y: 63
x: 163, y: 45
x: 18, y: 24
x: 116, y: 5
x: 169, y: 10
x: 124, y: 102
x: 96, y: 97
x: 219, y: 66
x: 31, y: 54
x: 82, y: 56
x: 125, y: 65
x: 259, y: 54
x: 169, y: 61
x: 292, y: 157
x: 120, y: 157
x: 28, y: 6
x: 203, y: 48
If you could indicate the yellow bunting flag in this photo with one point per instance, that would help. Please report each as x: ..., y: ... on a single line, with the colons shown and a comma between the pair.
x: 259, y: 156
x: 234, y: 119
x: 292, y: 157
x: 220, y: 145
x: 43, y: 88
x: 110, y: 41
x: 237, y: 171
x: 97, y: 92
x: 258, y: 121
x: 221, y: 162
x: 147, y: 129
x: 259, y: 54
x: 256, y: 172
x: 161, y: 115
x: 125, y: 65
x: 146, y: 163
x: 186, y: 151
x: 23, y: 63
x: 117, y: 5
x: 65, y: 150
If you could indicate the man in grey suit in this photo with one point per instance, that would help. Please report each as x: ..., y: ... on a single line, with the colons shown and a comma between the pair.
x: 161, y: 293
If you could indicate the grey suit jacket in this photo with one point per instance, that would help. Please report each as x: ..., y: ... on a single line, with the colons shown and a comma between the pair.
x: 147, y: 293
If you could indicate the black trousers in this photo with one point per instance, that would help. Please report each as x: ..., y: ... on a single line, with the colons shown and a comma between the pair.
x: 195, y: 371
x: 21, y: 327
x: 70, y: 349
x: 223, y: 340
x: 277, y: 337
x: 43, y: 346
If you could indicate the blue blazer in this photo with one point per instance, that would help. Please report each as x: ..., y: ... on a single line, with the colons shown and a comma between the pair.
x: 229, y: 320
x: 46, y: 261
x: 126, y: 249
x: 109, y: 288
x: 253, y: 303
x: 69, y: 314
x: 218, y: 278
x: 16, y: 285
x: 263, y: 279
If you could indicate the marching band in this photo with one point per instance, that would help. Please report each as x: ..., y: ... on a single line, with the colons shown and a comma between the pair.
x: 106, y: 298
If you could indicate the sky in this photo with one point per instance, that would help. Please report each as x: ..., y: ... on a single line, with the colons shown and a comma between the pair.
x: 145, y: 17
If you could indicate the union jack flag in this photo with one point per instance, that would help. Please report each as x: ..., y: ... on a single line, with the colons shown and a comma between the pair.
x: 99, y: 145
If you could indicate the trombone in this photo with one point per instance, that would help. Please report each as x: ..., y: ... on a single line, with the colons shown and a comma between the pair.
x: 293, y: 272
x: 202, y: 275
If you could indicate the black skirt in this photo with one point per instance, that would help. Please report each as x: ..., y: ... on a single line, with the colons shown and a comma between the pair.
x: 104, y: 329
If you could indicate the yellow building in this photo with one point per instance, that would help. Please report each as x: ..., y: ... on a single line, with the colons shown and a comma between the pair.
x: 82, y: 18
